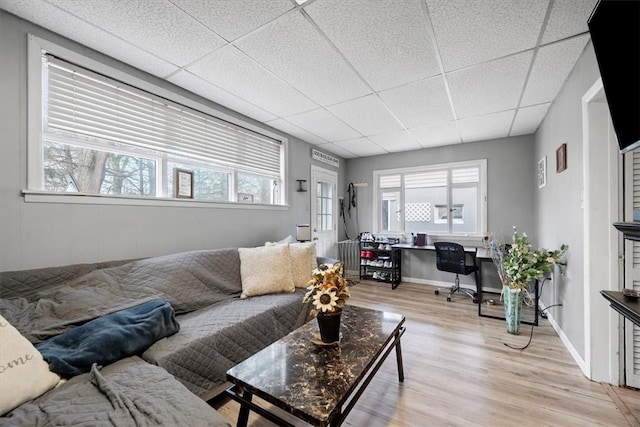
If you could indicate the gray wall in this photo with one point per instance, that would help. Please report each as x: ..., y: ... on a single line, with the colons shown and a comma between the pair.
x: 511, y: 186
x: 46, y: 234
x: 559, y: 216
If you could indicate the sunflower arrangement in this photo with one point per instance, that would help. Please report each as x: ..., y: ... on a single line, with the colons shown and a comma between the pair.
x: 328, y: 290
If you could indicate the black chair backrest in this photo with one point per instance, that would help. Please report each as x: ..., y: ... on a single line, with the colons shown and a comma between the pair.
x: 450, y: 257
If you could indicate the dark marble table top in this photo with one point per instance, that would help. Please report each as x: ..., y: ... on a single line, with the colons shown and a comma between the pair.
x: 313, y: 382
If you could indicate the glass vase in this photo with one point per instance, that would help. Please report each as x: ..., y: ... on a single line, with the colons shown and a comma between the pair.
x: 513, y: 300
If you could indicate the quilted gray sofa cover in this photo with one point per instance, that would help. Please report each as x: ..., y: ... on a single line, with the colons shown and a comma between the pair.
x: 217, y: 328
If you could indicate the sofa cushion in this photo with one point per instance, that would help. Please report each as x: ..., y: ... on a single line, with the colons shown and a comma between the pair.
x: 265, y: 270
x: 130, y: 392
x: 24, y: 375
x: 216, y: 338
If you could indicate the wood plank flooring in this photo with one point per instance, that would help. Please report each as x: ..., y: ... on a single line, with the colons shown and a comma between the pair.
x: 458, y: 372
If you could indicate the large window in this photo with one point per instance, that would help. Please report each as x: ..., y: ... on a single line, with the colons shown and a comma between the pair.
x: 101, y: 136
x: 445, y: 199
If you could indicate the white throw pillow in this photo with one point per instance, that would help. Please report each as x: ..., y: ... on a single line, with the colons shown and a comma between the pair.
x: 265, y: 270
x: 304, y: 260
x: 288, y: 239
x: 24, y: 375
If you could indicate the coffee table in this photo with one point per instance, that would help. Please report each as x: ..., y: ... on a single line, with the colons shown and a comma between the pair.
x: 318, y: 384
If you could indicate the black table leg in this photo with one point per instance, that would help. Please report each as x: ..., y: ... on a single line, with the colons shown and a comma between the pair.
x: 243, y: 415
x: 399, y: 358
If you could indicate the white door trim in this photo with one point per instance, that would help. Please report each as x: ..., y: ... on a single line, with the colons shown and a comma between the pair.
x: 600, y: 263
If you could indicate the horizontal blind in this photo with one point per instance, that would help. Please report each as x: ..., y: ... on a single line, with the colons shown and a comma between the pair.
x: 390, y: 181
x: 466, y: 175
x: 426, y: 179
x: 88, y: 105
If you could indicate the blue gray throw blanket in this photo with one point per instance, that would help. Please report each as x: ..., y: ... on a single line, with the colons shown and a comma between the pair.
x: 109, y: 338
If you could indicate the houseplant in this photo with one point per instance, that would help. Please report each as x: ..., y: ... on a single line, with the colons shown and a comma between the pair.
x: 517, y: 266
x: 328, y: 292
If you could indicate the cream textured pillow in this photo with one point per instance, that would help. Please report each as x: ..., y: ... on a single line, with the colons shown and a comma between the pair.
x: 303, y: 262
x: 24, y: 375
x: 265, y: 270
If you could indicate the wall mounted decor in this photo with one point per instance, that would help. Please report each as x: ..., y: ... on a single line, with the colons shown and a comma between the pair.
x: 542, y: 172
x: 561, y: 158
x: 302, y: 185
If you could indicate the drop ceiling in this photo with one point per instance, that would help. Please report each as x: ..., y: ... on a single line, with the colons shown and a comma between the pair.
x: 353, y: 77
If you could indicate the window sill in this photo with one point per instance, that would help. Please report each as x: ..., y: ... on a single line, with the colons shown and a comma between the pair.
x: 35, y: 196
x: 463, y: 239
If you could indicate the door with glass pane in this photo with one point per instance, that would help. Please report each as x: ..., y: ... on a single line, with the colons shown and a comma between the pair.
x: 324, y: 210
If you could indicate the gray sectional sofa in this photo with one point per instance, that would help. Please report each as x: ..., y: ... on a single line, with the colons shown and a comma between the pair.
x: 172, y: 379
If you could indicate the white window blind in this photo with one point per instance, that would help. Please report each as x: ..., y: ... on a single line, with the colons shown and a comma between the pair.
x: 390, y: 181
x: 90, y: 106
x: 426, y: 179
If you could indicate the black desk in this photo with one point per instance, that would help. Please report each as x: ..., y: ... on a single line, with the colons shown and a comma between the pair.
x: 628, y: 307
x: 479, y: 256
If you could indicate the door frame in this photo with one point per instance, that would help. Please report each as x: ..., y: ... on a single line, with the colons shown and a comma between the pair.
x: 317, y: 169
x: 601, y: 200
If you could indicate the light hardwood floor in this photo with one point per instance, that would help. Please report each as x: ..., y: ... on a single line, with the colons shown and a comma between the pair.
x: 458, y: 372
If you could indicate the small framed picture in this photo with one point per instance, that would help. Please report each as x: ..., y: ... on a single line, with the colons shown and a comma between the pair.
x: 183, y: 184
x: 542, y: 172
x: 561, y: 158
x: 245, y: 198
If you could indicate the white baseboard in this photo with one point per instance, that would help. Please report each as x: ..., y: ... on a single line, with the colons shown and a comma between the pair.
x: 572, y: 351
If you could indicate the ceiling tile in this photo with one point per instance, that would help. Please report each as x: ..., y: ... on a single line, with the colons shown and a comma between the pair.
x: 295, y: 51
x: 489, y: 87
x: 396, y: 141
x: 388, y: 42
x: 294, y: 130
x: 238, y: 74
x: 67, y: 25
x: 491, y: 126
x: 361, y: 147
x: 324, y: 124
x: 469, y: 32
x: 528, y: 119
x: 367, y: 115
x: 568, y: 18
x: 333, y: 148
x: 198, y: 86
x: 436, y: 135
x: 551, y: 68
x: 167, y: 32
x: 247, y: 14
x: 418, y: 104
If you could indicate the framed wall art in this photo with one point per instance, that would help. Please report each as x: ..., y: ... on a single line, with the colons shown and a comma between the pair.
x: 542, y: 172
x: 561, y: 158
x: 183, y: 184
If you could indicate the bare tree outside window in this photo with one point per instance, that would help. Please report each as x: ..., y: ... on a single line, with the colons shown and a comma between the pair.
x: 98, y: 172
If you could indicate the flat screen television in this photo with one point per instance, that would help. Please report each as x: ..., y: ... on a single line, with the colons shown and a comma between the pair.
x: 614, y: 26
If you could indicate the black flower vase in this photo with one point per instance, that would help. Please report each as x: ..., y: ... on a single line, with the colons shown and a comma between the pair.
x: 329, y: 325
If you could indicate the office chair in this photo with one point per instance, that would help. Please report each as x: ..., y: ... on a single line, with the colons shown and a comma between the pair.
x: 450, y: 257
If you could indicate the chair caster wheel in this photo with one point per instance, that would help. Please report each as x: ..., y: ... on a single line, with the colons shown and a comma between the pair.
x: 475, y: 301
x: 437, y: 292
x: 449, y: 299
